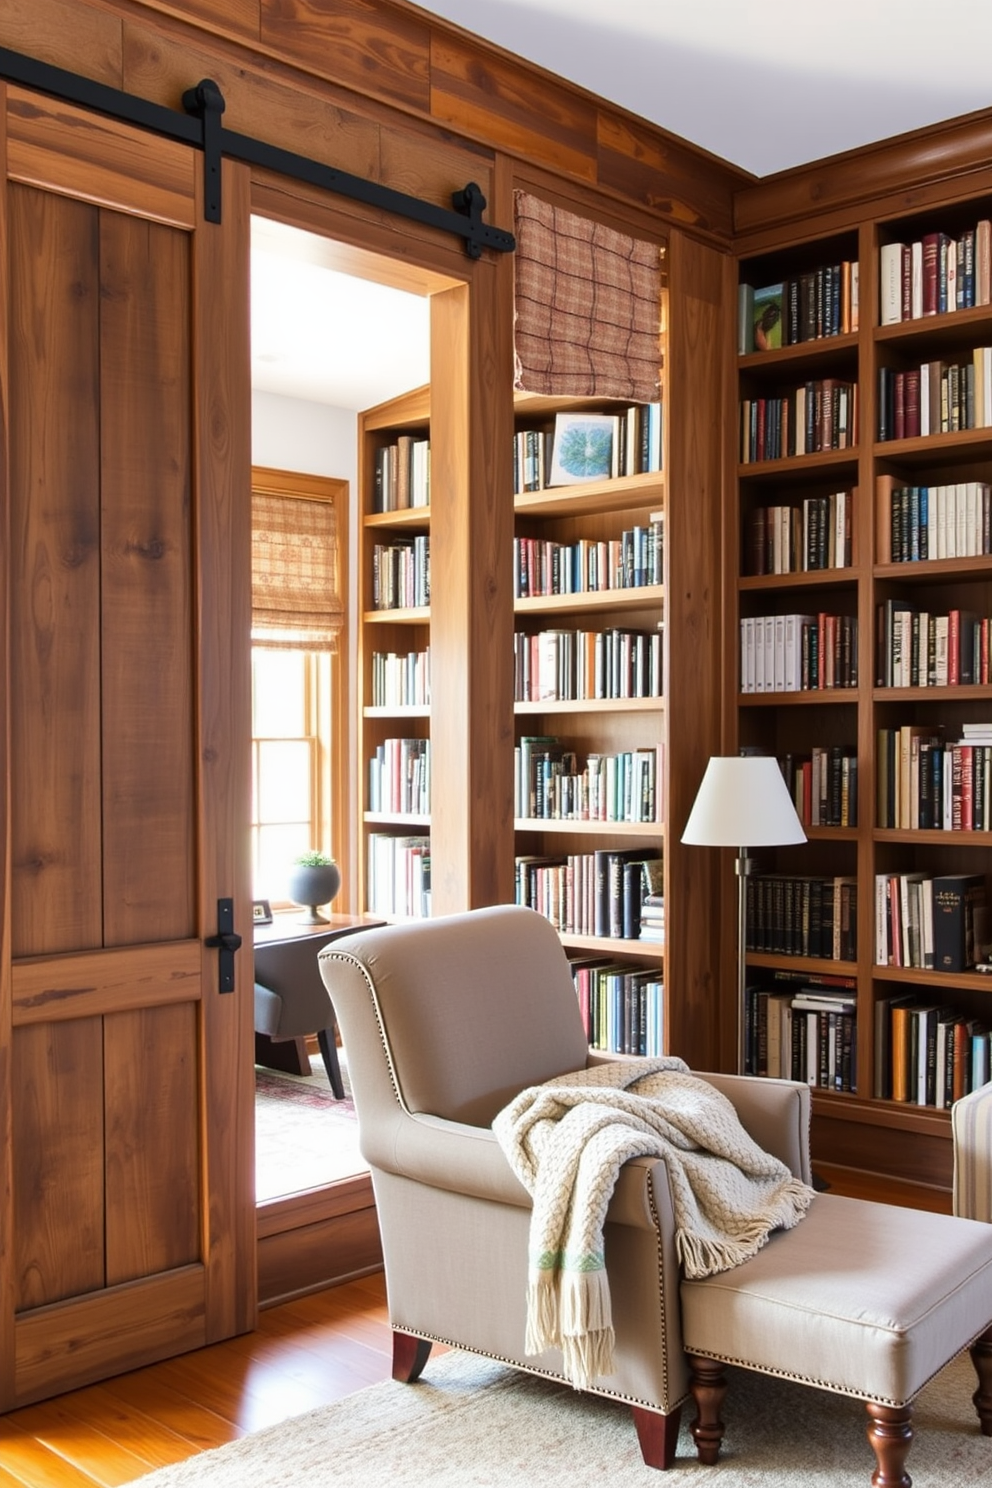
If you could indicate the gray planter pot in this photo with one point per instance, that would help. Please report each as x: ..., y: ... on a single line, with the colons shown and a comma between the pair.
x: 313, y: 886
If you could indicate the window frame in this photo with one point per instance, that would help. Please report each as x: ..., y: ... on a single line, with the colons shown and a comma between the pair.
x: 326, y: 691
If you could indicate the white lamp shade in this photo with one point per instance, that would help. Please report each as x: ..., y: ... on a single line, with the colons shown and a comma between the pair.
x: 743, y: 801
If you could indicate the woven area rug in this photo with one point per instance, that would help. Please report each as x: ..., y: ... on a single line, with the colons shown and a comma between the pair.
x: 470, y: 1423
x: 303, y: 1136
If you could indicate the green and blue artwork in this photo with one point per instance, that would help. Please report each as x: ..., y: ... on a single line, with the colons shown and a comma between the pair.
x: 583, y: 448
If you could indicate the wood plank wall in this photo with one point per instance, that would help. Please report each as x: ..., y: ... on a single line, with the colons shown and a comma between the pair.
x: 380, y: 89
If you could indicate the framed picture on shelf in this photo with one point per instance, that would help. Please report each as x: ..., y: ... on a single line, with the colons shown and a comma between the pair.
x: 261, y: 913
x: 584, y: 448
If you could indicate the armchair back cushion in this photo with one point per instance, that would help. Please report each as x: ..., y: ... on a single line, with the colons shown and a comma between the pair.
x: 470, y: 1008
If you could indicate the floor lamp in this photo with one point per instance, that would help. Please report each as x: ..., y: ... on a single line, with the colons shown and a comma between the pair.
x: 742, y: 802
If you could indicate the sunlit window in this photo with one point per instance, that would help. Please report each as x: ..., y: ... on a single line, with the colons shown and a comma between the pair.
x: 289, y: 767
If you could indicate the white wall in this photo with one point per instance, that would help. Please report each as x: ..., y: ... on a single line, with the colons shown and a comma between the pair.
x: 293, y: 434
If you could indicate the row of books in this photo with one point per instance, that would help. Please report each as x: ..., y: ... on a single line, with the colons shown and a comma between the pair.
x: 915, y: 523
x: 399, y: 876
x: 798, y: 653
x: 400, y: 777
x: 549, y: 786
x: 566, y: 665
x: 818, y: 415
x: 599, y: 893
x: 402, y: 474
x: 401, y: 680
x: 401, y: 573
x: 936, y: 398
x: 800, y: 915
x: 935, y: 274
x: 806, y: 307
x: 926, y: 784
x: 917, y: 649
x: 927, y: 1053
x: 823, y: 785
x: 587, y: 446
x: 937, y: 923
x: 800, y: 537
x: 804, y: 1032
x: 631, y: 561
x: 622, y: 1009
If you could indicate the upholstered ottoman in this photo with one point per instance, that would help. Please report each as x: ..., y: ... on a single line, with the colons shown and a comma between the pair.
x: 865, y: 1299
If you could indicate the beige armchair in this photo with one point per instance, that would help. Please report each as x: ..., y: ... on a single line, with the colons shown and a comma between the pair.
x: 444, y: 1021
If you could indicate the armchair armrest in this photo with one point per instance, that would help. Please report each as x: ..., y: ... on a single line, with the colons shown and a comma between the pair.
x: 469, y: 1160
x: 775, y: 1113
x: 971, y: 1127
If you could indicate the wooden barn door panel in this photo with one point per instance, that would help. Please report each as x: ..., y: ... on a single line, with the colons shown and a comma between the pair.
x: 58, y: 1160
x: 153, y: 1200
x: 54, y: 572
x: 146, y: 658
x: 126, y: 1205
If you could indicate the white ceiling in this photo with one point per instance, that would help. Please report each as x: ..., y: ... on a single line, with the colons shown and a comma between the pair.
x: 765, y: 84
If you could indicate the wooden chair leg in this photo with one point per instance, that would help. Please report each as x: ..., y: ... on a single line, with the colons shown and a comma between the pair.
x: 658, y: 1435
x: 981, y: 1357
x: 890, y: 1434
x: 409, y: 1357
x: 329, y: 1054
x: 709, y: 1386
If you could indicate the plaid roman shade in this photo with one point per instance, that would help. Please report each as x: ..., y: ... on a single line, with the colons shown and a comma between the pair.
x: 588, y: 307
x: 295, y: 573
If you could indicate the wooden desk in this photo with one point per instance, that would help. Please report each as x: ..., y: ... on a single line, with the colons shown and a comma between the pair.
x: 290, y: 1054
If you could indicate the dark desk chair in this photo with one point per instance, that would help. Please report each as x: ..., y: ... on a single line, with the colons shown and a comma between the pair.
x: 291, y: 1000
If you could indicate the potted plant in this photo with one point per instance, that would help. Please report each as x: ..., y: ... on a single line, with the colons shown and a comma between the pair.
x: 314, y: 879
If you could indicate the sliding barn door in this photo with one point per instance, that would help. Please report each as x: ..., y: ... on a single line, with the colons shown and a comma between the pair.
x: 126, y: 1201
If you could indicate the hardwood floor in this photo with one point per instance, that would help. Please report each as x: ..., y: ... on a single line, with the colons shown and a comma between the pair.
x: 302, y: 1354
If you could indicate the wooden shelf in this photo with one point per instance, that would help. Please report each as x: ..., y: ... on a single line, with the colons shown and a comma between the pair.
x: 815, y: 578
x: 396, y: 819
x: 591, y: 705
x: 837, y: 463
x: 407, y: 710
x: 408, y: 516
x: 419, y: 616
x: 623, y: 493
x: 645, y: 596
x: 824, y: 695
x: 643, y: 950
x: 562, y: 826
x: 933, y: 570
x: 793, y: 361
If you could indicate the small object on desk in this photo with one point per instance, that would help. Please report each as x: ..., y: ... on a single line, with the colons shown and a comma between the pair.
x: 261, y: 913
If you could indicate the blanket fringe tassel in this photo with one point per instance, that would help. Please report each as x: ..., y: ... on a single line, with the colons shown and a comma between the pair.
x: 576, y: 1317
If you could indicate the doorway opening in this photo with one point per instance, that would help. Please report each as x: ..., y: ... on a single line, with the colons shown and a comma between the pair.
x: 332, y: 333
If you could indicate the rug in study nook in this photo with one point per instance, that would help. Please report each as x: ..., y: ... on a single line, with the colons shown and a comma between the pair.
x: 472, y: 1423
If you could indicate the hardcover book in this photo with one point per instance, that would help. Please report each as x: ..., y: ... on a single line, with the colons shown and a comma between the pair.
x: 767, y: 317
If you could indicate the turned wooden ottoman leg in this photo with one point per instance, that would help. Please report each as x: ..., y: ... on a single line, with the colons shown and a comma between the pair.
x: 409, y: 1357
x: 709, y: 1386
x: 981, y: 1357
x: 890, y: 1434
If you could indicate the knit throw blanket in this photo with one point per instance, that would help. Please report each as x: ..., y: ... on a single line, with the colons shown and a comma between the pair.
x: 567, y: 1140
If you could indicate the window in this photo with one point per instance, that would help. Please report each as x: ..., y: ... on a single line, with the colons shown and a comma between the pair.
x: 299, y: 749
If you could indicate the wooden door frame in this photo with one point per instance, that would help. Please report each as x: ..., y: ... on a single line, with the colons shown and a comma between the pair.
x: 329, y: 1233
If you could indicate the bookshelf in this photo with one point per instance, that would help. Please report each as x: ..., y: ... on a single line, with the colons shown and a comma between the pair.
x: 898, y: 594
x: 589, y: 562
x: 394, y: 661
